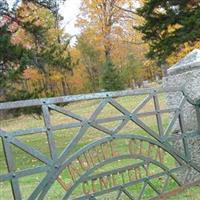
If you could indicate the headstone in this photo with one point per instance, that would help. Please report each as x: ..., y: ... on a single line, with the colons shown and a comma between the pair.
x: 145, y: 83
x: 186, y: 74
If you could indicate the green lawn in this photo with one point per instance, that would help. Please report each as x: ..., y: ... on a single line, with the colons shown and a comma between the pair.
x: 62, y: 138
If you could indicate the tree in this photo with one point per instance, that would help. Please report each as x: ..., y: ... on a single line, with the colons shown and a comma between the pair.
x: 107, y: 26
x: 150, y: 70
x: 185, y: 48
x: 31, y: 38
x: 106, y: 19
x: 110, y: 79
x: 90, y: 58
x: 168, y: 25
x: 13, y: 58
x: 132, y: 70
x: 52, y: 5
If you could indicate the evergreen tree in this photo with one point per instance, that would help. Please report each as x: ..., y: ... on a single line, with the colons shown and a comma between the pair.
x: 47, y: 48
x: 110, y: 79
x: 168, y: 24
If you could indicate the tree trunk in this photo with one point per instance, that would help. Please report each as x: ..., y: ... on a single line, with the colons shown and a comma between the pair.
x: 64, y: 87
x: 164, y: 68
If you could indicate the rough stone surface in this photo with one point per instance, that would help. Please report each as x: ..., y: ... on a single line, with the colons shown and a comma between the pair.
x: 189, y: 174
x: 186, y: 74
x: 190, y: 81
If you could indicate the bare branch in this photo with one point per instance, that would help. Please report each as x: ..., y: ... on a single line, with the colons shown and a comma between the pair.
x: 126, y: 10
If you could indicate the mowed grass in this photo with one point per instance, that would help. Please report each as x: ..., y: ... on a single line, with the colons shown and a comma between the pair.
x: 64, y: 136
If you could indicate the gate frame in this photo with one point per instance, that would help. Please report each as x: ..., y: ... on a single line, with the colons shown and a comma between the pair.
x: 57, y: 163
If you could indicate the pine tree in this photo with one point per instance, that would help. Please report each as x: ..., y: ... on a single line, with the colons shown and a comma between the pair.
x: 169, y: 24
x: 39, y: 48
x: 110, y: 79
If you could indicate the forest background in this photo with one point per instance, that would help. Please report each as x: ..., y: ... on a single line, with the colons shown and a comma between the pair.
x: 121, y: 44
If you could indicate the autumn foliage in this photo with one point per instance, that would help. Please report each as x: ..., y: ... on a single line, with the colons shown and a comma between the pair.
x: 37, y: 57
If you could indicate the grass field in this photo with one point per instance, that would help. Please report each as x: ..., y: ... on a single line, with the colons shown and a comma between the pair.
x: 62, y: 138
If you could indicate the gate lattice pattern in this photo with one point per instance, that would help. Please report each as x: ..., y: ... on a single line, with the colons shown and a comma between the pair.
x: 116, y: 162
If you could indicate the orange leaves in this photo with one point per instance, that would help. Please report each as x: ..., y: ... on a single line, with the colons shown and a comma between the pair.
x: 32, y: 74
x: 30, y: 12
x: 23, y: 38
x: 13, y: 27
x: 108, y: 20
x: 4, y: 20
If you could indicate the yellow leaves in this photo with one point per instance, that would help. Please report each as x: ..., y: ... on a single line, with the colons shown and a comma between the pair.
x: 78, y: 79
x: 75, y: 53
x: 141, y: 2
x: 23, y: 38
x: 106, y: 22
x: 118, y: 30
x: 150, y: 70
x: 148, y: 63
x: 37, y: 16
x: 56, y: 75
x: 52, y: 35
x: 35, y: 75
x: 25, y: 10
x: 184, y: 50
x: 171, y: 28
x: 96, y: 40
x: 30, y: 12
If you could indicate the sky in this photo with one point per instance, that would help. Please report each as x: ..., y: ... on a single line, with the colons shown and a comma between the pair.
x: 69, y: 11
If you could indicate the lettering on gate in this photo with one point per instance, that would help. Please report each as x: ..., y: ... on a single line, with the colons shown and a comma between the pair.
x: 108, y: 179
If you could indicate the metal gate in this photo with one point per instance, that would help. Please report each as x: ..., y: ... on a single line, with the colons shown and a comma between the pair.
x: 120, y: 163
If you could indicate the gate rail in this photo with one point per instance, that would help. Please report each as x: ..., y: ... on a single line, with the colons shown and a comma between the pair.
x: 162, y: 142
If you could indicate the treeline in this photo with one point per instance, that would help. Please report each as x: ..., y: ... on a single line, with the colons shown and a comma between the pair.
x: 31, y: 40
x: 37, y: 60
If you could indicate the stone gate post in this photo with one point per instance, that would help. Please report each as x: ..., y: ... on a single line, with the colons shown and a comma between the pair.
x: 186, y: 74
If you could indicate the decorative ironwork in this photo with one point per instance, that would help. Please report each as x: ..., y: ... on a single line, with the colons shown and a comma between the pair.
x: 101, y: 167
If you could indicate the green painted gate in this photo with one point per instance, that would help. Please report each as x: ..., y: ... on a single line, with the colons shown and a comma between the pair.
x: 116, y: 162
